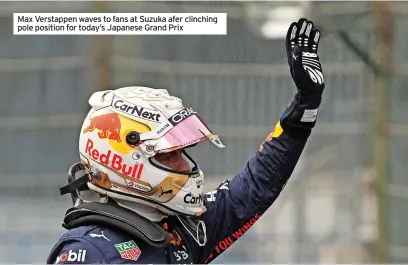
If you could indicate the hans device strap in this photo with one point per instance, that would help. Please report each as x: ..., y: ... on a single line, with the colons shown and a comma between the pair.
x: 119, y: 218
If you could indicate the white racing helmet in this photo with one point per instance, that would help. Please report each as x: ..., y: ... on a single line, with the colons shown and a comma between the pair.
x: 120, y: 137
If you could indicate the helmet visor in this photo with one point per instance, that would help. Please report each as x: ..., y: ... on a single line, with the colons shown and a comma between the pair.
x: 191, y: 130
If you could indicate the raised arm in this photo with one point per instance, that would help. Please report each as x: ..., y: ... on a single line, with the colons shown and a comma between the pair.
x: 238, y: 203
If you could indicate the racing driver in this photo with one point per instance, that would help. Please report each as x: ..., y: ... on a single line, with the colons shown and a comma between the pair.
x: 137, y: 194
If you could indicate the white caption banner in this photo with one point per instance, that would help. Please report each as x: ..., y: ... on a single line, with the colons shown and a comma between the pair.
x: 119, y: 23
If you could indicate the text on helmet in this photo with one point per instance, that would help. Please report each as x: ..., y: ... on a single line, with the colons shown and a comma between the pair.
x: 113, y: 161
x: 135, y: 110
x: 138, y: 186
x: 181, y: 115
x: 163, y: 128
x: 191, y: 199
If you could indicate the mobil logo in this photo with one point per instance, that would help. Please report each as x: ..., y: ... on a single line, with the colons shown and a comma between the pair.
x: 113, y: 161
x: 78, y: 255
x: 108, y: 126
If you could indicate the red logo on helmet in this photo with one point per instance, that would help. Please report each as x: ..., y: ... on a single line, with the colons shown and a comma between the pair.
x: 113, y: 161
x: 108, y: 126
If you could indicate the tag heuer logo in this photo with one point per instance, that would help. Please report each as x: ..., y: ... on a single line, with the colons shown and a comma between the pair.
x: 128, y: 250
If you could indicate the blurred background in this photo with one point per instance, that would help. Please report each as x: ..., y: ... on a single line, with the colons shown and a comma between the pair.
x: 348, y: 198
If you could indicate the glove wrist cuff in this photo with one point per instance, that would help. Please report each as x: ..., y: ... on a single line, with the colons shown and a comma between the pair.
x: 301, y: 113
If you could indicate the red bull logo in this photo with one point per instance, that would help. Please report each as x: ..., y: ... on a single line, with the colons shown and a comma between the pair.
x: 108, y: 126
x: 113, y: 161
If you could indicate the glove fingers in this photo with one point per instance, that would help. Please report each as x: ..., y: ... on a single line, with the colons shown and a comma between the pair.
x: 314, y: 40
x: 304, y: 34
x: 308, y: 30
x: 302, y: 25
x: 290, y: 38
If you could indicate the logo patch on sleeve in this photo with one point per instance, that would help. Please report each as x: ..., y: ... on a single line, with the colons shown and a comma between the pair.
x: 128, y: 250
x: 72, y: 255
